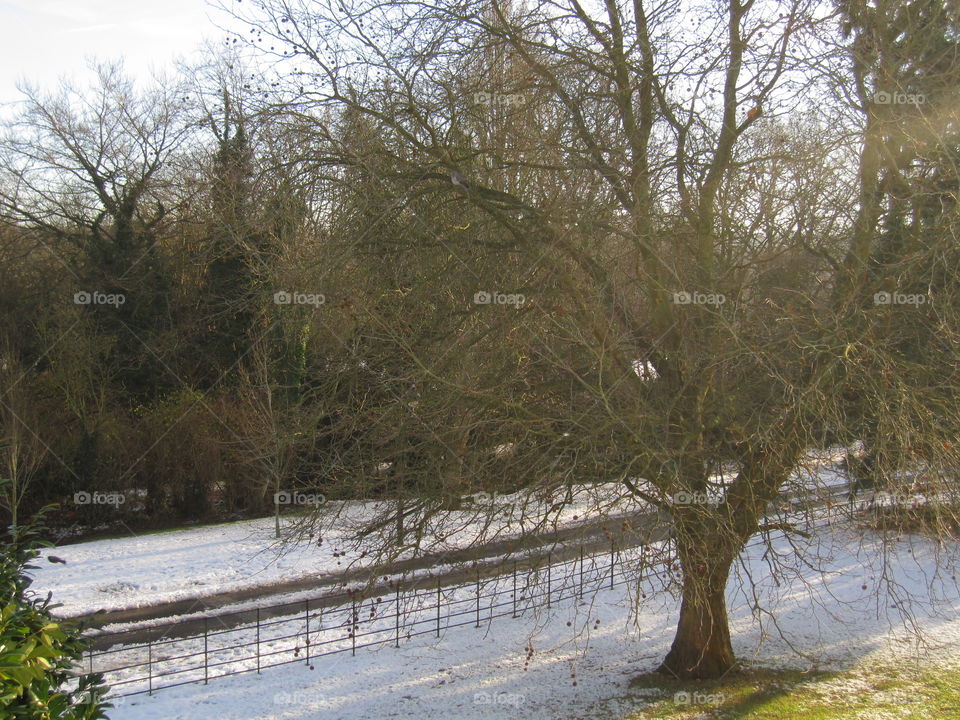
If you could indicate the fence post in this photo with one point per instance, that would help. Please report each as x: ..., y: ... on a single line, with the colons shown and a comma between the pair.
x: 206, y: 665
x: 306, y: 613
x: 581, y: 572
x: 149, y: 667
x: 258, y: 640
x: 90, y: 659
x: 549, y: 577
x: 438, y: 607
x: 478, y: 596
x: 611, y: 564
x: 397, y: 637
x: 353, y: 625
x: 514, y: 588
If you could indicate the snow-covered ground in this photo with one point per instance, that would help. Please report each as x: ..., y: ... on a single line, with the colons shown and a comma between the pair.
x: 585, y: 652
x: 162, y: 567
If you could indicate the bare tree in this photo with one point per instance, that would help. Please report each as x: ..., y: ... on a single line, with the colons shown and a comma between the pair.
x: 88, y: 166
x: 659, y: 188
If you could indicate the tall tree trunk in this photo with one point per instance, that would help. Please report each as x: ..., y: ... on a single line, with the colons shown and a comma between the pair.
x: 701, y: 648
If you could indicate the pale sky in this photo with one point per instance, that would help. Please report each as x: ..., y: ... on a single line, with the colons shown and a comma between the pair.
x: 45, y: 39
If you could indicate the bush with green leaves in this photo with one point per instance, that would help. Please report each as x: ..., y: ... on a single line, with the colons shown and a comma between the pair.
x: 38, y: 654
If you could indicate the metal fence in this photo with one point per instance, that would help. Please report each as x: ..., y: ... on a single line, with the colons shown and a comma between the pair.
x: 306, y: 630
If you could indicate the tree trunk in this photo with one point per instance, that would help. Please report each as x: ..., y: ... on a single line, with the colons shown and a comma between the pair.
x: 701, y: 648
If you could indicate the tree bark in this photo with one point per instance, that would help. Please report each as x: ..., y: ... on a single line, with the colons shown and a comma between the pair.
x: 701, y: 647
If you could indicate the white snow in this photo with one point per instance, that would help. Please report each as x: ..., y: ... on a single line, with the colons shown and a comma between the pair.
x: 160, y: 567
x: 139, y: 570
x: 837, y: 614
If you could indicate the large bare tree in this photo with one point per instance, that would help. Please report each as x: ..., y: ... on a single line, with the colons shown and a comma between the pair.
x: 695, y: 250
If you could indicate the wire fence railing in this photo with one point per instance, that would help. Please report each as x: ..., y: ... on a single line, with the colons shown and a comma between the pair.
x: 306, y: 630
x: 309, y: 633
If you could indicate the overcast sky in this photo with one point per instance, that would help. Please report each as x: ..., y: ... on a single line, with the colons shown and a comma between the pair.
x: 44, y: 39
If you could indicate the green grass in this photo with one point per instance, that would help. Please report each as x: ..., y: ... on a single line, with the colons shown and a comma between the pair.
x: 866, y: 693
